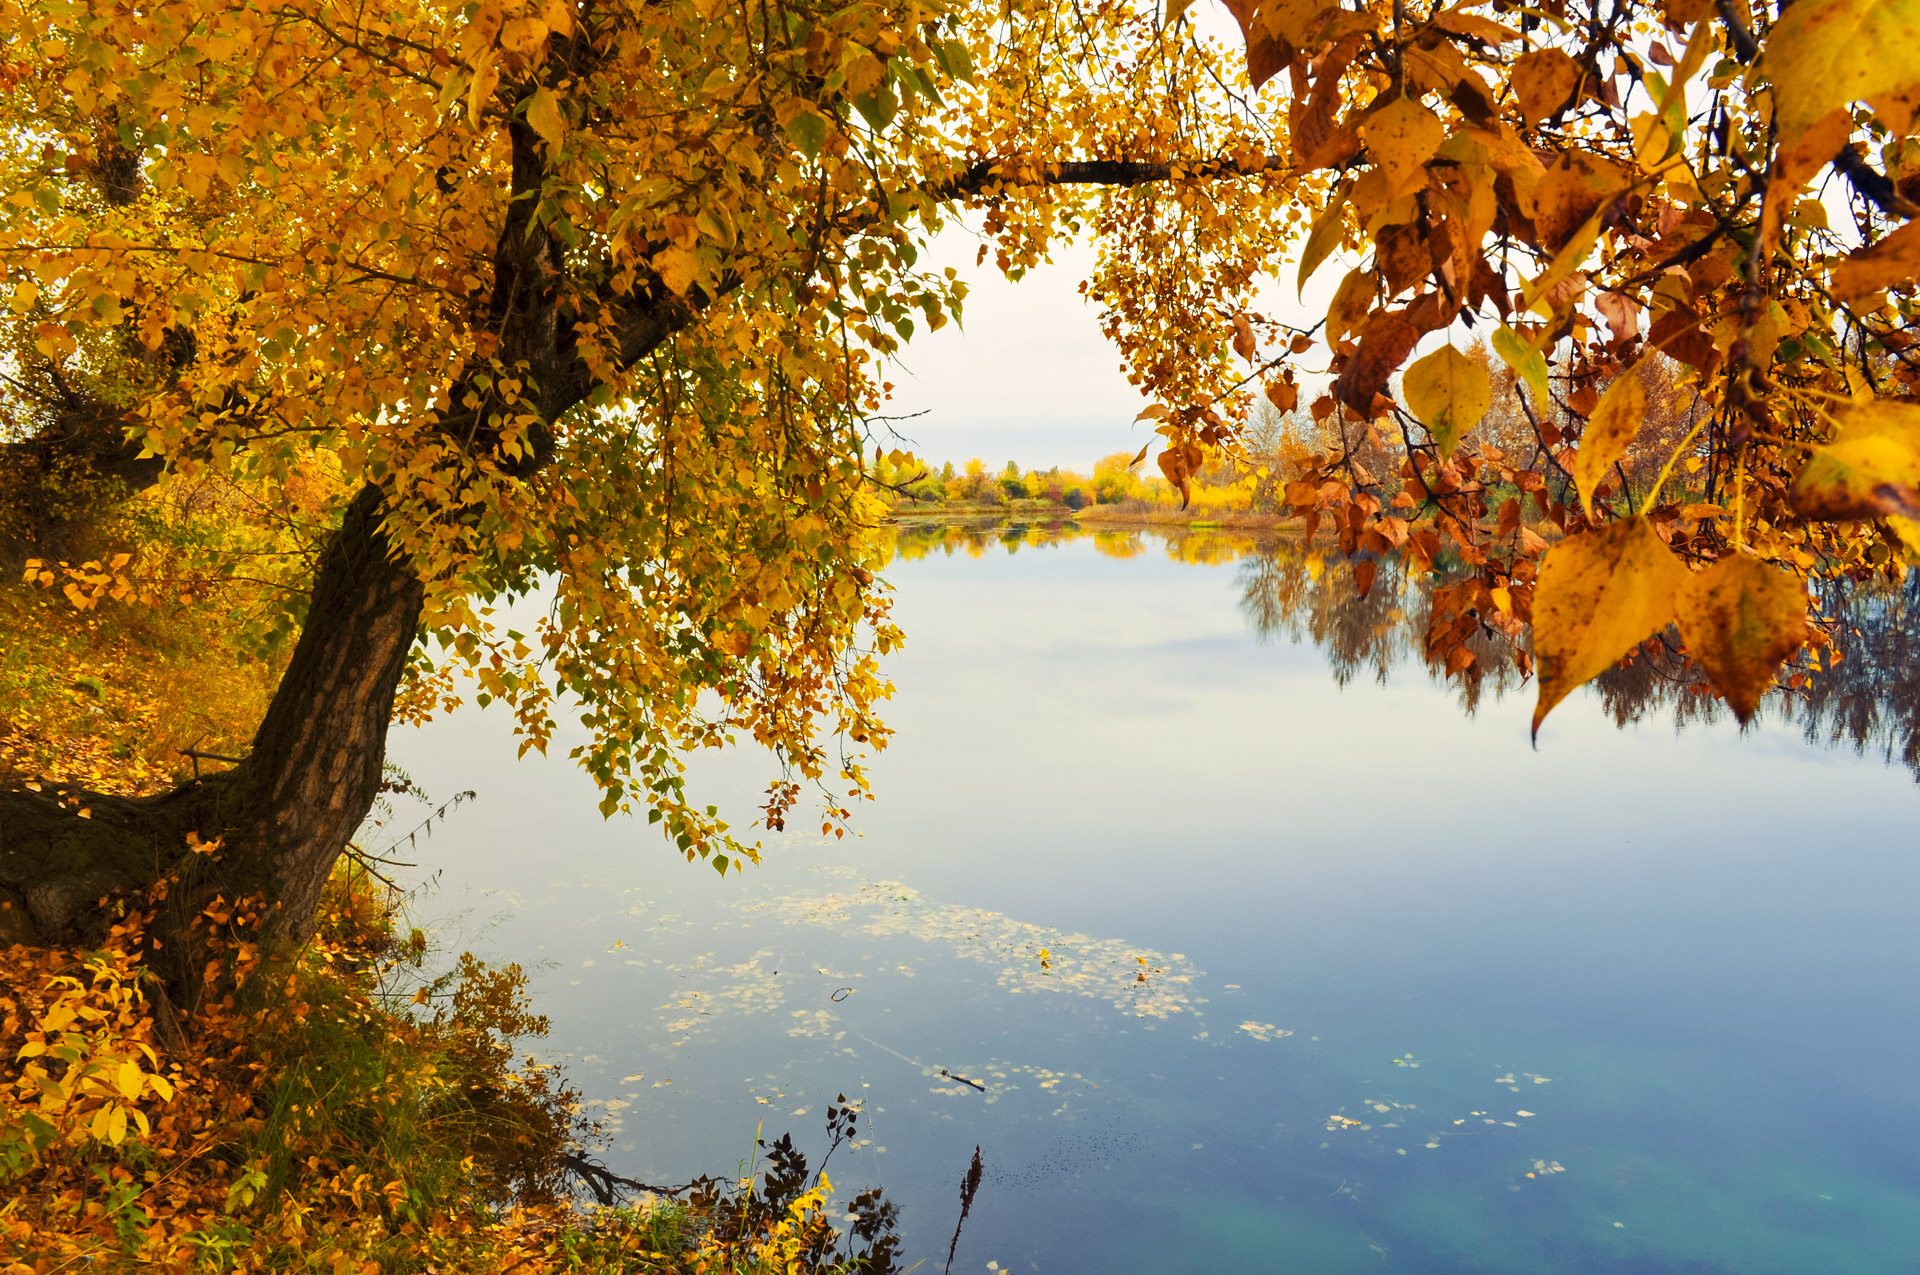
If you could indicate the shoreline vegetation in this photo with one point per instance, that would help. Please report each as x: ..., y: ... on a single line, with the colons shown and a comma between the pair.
x: 356, y: 1107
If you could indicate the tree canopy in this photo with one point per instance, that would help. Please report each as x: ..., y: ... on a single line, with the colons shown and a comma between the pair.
x: 598, y: 297
x: 1602, y: 189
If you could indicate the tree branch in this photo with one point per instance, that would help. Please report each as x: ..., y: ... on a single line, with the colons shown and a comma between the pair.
x: 992, y: 174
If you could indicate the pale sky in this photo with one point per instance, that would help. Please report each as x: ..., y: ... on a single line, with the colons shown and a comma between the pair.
x: 1028, y: 378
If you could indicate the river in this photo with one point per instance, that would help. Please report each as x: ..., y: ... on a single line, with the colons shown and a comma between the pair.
x: 1341, y: 973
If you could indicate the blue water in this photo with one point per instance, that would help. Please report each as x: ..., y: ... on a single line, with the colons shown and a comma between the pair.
x: 1375, y: 929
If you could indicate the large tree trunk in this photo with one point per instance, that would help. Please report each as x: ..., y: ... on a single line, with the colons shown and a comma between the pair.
x: 317, y: 758
x: 283, y: 815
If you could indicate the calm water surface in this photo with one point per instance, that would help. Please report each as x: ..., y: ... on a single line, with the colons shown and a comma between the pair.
x: 1341, y: 977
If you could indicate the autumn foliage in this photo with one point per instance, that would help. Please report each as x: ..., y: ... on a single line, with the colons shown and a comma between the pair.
x: 1606, y: 192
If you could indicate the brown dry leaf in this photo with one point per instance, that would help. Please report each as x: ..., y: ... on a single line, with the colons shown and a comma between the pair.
x: 1266, y: 53
x: 1682, y: 14
x: 1740, y: 618
x: 1893, y: 261
x: 1384, y: 345
x: 1600, y: 594
x: 1870, y: 469
x: 1363, y: 574
x: 1450, y: 393
x: 1621, y: 314
x: 1312, y: 122
x: 1610, y: 431
x: 1544, y: 80
x: 1244, y: 343
x: 1284, y: 395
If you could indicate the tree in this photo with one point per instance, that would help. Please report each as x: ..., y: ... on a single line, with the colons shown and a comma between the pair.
x: 599, y: 298
x: 591, y: 297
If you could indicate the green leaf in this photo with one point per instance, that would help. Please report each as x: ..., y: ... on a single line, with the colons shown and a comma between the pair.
x: 959, y: 60
x: 1528, y: 363
x: 809, y: 132
x: 1449, y: 392
x: 878, y: 108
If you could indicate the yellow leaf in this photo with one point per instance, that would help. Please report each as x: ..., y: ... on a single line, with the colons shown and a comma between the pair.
x: 677, y: 267
x: 1870, y: 469
x: 1823, y: 54
x: 1599, y: 595
x: 1449, y: 392
x: 1543, y: 80
x: 520, y: 35
x: 1402, y: 136
x: 1175, y: 8
x: 486, y: 76
x: 1740, y: 618
x: 1895, y: 260
x: 1610, y: 431
x: 128, y: 1079
x: 116, y: 1124
x: 1565, y: 262
x: 543, y: 116
x: 1324, y: 237
x: 1527, y: 362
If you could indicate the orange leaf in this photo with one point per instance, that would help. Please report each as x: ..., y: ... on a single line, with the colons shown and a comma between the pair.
x: 1740, y: 618
x: 1543, y: 80
x: 1600, y: 594
x: 1893, y: 261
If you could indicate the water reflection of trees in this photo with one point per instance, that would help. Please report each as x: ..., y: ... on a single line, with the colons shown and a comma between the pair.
x: 1869, y: 700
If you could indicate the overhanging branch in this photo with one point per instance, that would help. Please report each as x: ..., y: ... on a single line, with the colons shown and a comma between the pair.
x: 993, y: 174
